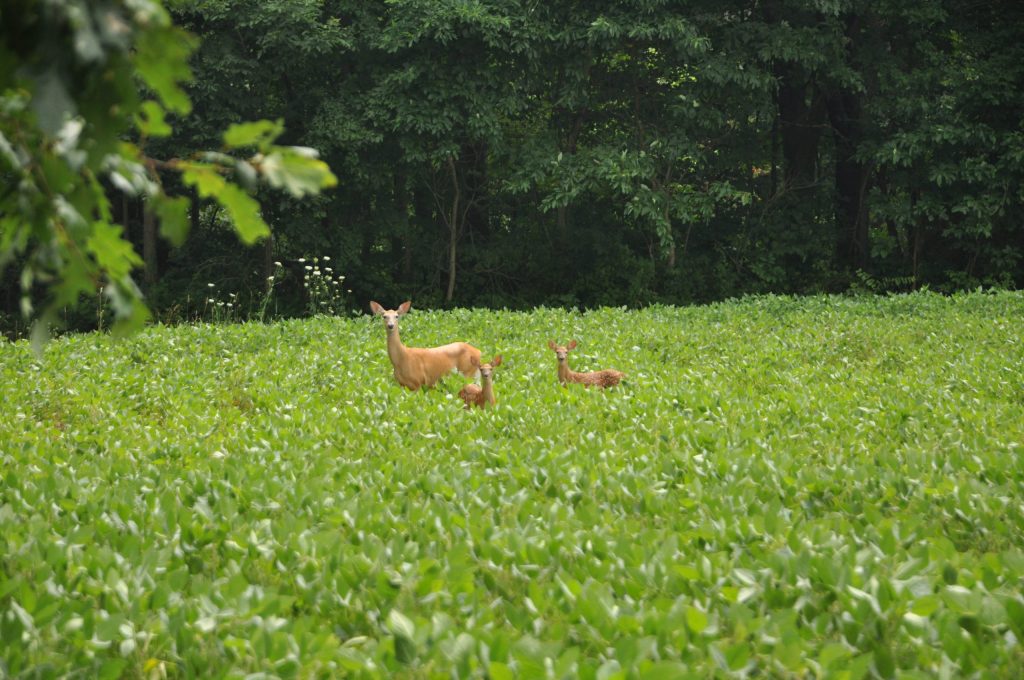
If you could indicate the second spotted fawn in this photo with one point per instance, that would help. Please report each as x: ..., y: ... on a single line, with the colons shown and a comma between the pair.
x: 605, y: 378
x: 481, y: 395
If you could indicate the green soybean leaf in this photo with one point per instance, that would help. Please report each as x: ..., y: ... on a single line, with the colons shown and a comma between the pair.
x: 696, y: 620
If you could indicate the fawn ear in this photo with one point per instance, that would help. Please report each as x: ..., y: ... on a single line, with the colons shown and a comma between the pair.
x: 404, y: 307
x: 571, y: 345
x: 496, y: 361
x: 474, y: 362
x: 376, y: 308
x: 551, y: 345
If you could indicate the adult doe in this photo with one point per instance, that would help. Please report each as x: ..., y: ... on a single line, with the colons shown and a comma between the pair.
x: 417, y: 367
x: 605, y: 378
x: 481, y: 395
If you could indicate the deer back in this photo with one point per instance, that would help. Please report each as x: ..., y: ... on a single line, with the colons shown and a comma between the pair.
x: 417, y: 367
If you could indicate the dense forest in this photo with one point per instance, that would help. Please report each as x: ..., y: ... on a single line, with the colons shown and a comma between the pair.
x: 524, y: 152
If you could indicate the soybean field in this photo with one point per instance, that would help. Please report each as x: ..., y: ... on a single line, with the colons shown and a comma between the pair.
x: 819, y: 487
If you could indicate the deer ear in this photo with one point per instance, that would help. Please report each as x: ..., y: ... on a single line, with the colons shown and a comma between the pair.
x: 404, y: 307
x: 551, y: 345
x: 571, y: 345
x: 496, y: 361
x: 474, y: 361
x: 376, y: 308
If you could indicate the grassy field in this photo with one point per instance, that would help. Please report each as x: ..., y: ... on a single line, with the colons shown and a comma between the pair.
x: 821, y: 487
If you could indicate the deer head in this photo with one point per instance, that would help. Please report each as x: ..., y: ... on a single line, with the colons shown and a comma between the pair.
x: 561, y: 351
x: 391, y: 316
x: 486, y: 370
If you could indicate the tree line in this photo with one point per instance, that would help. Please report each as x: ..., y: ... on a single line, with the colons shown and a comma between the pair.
x: 524, y: 152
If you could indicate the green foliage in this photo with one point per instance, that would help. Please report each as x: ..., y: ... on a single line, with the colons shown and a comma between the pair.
x: 953, y: 149
x: 173, y: 215
x: 817, y: 487
x: 510, y: 154
x: 69, y: 95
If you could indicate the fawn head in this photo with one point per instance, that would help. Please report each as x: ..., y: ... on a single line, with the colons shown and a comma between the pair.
x: 561, y: 351
x: 486, y: 370
x: 391, y: 316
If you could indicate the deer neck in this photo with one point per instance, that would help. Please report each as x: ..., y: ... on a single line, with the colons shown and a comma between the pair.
x: 488, y: 392
x: 564, y: 374
x: 396, y: 350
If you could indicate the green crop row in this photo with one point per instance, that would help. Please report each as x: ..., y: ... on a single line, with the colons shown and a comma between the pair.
x: 819, y: 487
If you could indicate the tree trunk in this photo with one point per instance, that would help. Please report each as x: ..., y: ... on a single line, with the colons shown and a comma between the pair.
x: 405, y: 231
x: 149, y: 244
x: 800, y: 127
x: 845, y: 110
x: 775, y: 156
x: 801, y: 110
x: 915, y: 238
x: 424, y: 221
x: 453, y: 230
x: 194, y: 209
x: 851, y: 179
x: 125, y: 222
x: 569, y: 146
x: 478, y: 218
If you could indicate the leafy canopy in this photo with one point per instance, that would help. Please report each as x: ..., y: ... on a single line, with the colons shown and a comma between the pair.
x: 83, y: 87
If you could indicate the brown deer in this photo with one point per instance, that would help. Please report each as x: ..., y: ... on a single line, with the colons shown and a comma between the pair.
x: 417, y: 367
x: 475, y: 395
x: 606, y: 378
